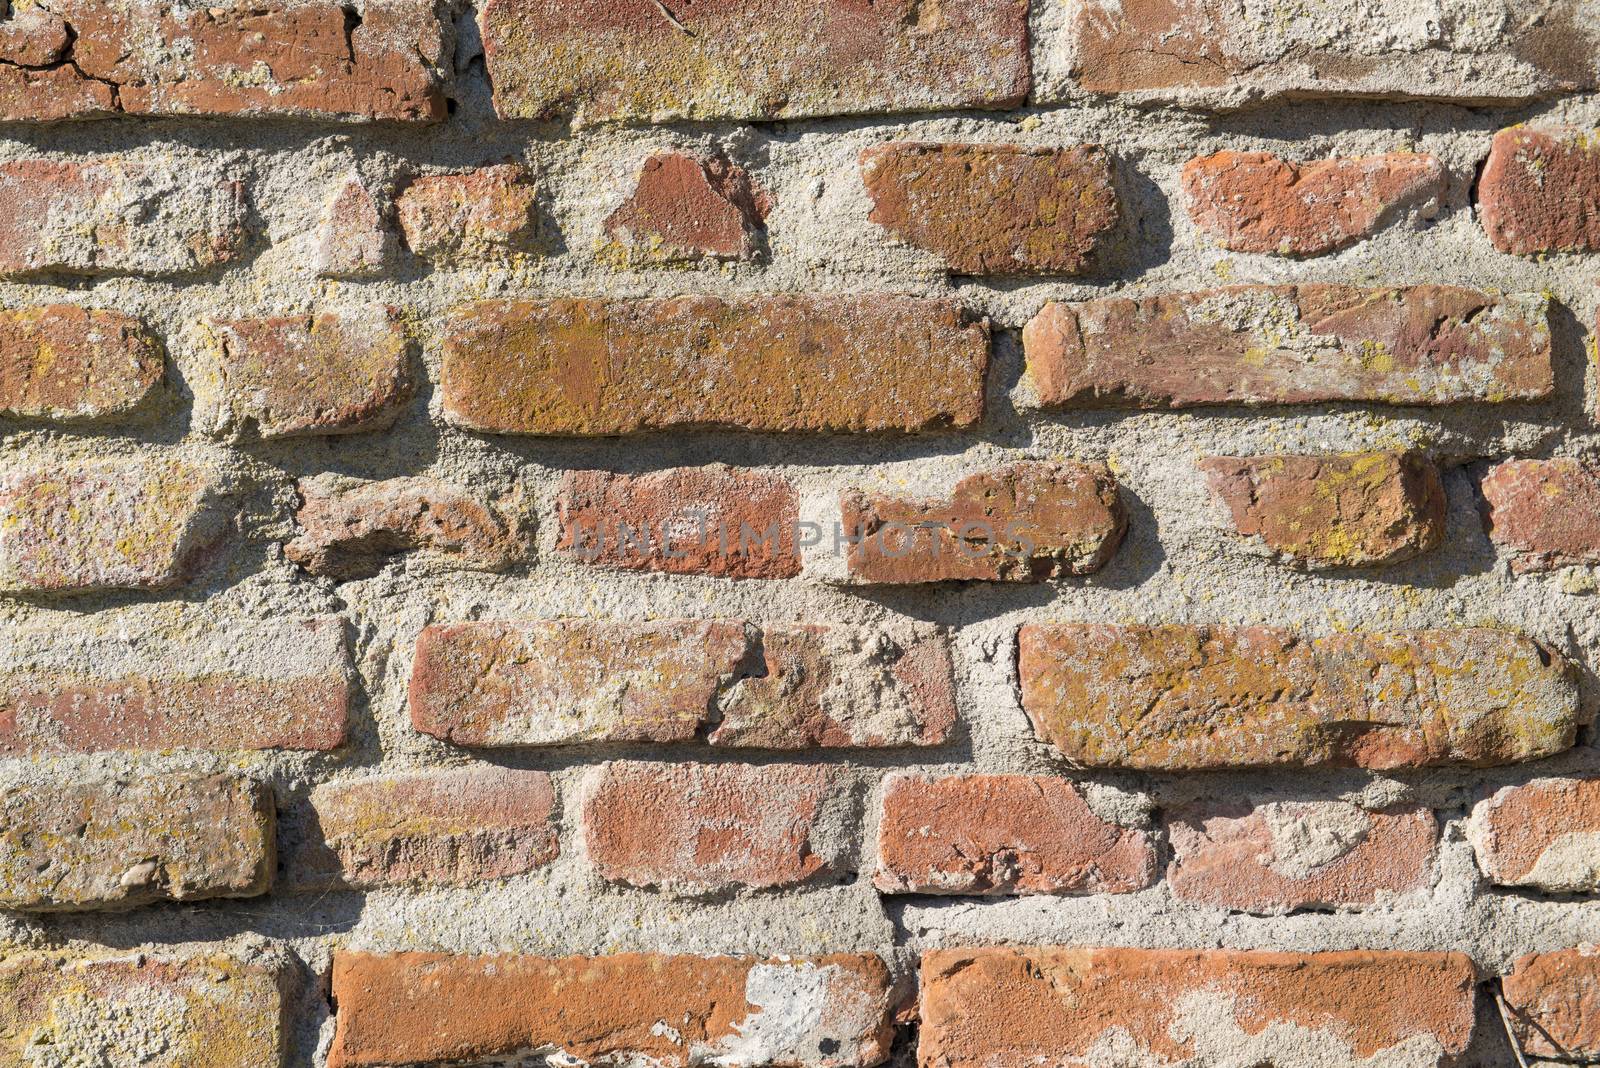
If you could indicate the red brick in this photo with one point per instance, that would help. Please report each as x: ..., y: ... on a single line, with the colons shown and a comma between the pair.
x: 778, y: 363
x: 1258, y: 202
x: 445, y: 828
x: 313, y: 59
x: 671, y: 1011
x: 130, y: 523
x: 355, y: 240
x: 1022, y: 523
x: 201, y: 684
x: 1187, y: 697
x: 1555, y: 1003
x: 1007, y: 1007
x: 710, y: 827
x: 1543, y: 834
x: 1003, y: 834
x: 298, y: 375
x: 994, y: 209
x: 712, y: 520
x: 1359, y: 509
x: 564, y: 682
x: 1545, y: 513
x: 735, y: 59
x: 350, y: 529
x: 685, y: 208
x: 116, y: 844
x: 115, y: 215
x: 1540, y: 191
x: 1279, y: 856
x: 1308, y: 344
x: 158, y: 1010
x: 479, y: 215
x: 68, y: 364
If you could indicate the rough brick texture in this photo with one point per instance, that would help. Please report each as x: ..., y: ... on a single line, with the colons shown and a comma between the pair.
x: 479, y: 215
x: 1544, y: 834
x: 799, y: 1012
x: 1544, y: 513
x: 1554, y: 1000
x: 686, y: 207
x: 585, y: 367
x: 1540, y: 191
x: 1003, y: 834
x: 994, y: 209
x: 67, y: 364
x: 355, y: 240
x: 1185, y: 697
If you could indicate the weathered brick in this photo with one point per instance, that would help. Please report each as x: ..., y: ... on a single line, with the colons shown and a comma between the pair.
x: 1546, y: 513
x: 712, y: 520
x: 68, y: 364
x: 778, y: 363
x: 1540, y: 191
x: 1555, y: 1003
x: 350, y: 529
x: 1259, y: 202
x: 674, y: 1011
x: 1279, y: 856
x: 312, y: 58
x: 1187, y: 697
x: 994, y: 209
x: 1305, y: 344
x: 1544, y: 834
x: 484, y: 214
x: 1358, y: 509
x: 297, y: 375
x: 710, y: 827
x: 355, y: 240
x: 200, y: 684
x: 1216, y: 51
x: 1005, y: 1007
x: 156, y: 1010
x: 115, y: 215
x: 1003, y: 834
x: 445, y: 828
x: 116, y: 844
x: 130, y: 523
x: 735, y: 59
x: 1022, y: 523
x: 565, y: 682
x: 685, y: 208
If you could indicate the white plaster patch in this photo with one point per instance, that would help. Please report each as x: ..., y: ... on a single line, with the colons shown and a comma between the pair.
x: 1306, y: 837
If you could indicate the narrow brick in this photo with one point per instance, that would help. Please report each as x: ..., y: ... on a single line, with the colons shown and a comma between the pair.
x: 778, y: 363
x: 1259, y: 202
x: 1544, y: 513
x: 158, y: 1010
x: 445, y: 828
x: 130, y: 523
x: 1544, y: 834
x: 1308, y: 344
x: 741, y: 60
x: 702, y: 828
x: 75, y: 59
x: 298, y: 375
x: 1362, y: 509
x: 712, y: 520
x: 1022, y: 523
x: 1186, y: 697
x: 349, y: 529
x: 355, y: 240
x: 480, y: 215
x: 118, y: 216
x: 1277, y: 857
x: 686, y: 208
x: 77, y: 846
x: 1005, y: 1007
x: 1540, y: 191
x: 200, y: 684
x: 1555, y: 1003
x: 994, y: 209
x: 674, y: 1011
x: 66, y: 364
x: 1003, y: 834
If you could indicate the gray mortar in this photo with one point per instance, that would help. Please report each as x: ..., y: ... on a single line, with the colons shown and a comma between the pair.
x: 1175, y: 566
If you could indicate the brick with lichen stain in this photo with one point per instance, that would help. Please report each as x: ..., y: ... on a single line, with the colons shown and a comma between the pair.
x: 1544, y: 513
x: 477, y: 216
x: 65, y: 364
x: 686, y: 208
x: 1540, y: 191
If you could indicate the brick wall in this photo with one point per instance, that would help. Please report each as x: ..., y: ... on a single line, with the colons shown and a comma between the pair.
x: 803, y: 534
